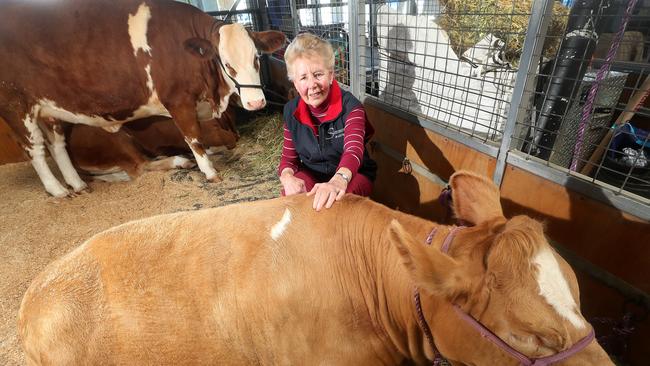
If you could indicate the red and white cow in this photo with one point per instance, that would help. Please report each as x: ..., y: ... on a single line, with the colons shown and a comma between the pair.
x: 107, y: 62
x: 277, y: 283
x: 152, y: 143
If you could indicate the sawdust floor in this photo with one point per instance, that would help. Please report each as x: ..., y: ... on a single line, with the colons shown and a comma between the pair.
x: 36, y: 228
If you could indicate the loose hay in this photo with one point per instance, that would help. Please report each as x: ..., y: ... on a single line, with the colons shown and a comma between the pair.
x: 468, y: 21
x: 36, y: 228
x: 265, y: 133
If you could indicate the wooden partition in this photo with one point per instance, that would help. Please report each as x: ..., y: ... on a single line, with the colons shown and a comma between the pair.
x: 415, y: 193
x: 10, y: 152
x: 609, y: 250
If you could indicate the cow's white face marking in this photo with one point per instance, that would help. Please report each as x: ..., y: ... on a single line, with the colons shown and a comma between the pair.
x: 138, y: 24
x: 278, y: 229
x: 555, y: 289
x: 238, y: 50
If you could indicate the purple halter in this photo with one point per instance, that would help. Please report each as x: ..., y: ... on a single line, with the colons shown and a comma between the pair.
x: 485, y: 332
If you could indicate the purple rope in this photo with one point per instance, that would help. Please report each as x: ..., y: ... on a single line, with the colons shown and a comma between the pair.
x: 587, y: 109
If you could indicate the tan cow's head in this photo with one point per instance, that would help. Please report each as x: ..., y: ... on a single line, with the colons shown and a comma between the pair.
x: 505, y: 274
x: 236, y: 50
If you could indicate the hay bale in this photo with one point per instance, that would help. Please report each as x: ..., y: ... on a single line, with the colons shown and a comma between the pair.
x: 468, y: 21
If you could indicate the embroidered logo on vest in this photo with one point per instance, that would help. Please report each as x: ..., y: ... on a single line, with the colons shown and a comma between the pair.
x: 334, y: 134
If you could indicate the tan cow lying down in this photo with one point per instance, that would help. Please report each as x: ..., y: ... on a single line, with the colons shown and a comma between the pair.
x: 152, y: 143
x: 277, y: 283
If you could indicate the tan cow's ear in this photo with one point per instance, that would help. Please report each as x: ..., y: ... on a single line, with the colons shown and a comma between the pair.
x: 268, y: 41
x: 475, y: 198
x: 430, y: 269
x: 200, y: 47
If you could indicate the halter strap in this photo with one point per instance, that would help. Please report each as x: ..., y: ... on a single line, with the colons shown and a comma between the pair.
x: 237, y: 84
x: 523, y: 359
x: 437, y: 359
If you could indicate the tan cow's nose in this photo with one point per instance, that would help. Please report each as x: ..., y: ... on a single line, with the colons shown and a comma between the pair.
x: 257, y: 104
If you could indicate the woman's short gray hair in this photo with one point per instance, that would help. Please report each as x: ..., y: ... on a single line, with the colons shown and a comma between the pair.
x: 310, y: 46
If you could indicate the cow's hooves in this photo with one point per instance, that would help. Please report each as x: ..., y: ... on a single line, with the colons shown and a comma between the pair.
x: 72, y: 194
x: 84, y: 189
x: 215, y: 179
x: 59, y: 192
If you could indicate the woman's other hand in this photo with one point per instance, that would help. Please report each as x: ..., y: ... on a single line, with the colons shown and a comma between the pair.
x: 291, y: 184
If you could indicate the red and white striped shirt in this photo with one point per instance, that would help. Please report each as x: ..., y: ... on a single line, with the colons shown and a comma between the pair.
x: 353, y: 140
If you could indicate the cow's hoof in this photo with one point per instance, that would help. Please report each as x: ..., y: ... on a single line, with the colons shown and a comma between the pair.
x: 86, y: 189
x: 83, y: 189
x: 72, y: 194
x: 58, y: 191
x: 215, y: 179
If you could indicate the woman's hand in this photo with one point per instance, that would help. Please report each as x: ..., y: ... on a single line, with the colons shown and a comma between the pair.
x: 326, y: 193
x: 291, y: 184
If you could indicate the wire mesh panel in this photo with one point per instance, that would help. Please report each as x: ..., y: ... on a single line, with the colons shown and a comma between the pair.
x: 452, y: 61
x: 245, y: 12
x: 325, y: 18
x: 586, y: 113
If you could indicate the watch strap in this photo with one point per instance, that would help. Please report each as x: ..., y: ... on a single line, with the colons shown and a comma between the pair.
x: 344, y: 176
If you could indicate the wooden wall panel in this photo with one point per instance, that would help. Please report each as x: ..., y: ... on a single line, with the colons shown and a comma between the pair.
x: 10, y: 152
x: 437, y: 153
x: 409, y: 193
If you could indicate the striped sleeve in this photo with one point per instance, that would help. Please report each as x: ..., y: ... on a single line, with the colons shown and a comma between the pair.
x: 289, y: 157
x: 353, y: 140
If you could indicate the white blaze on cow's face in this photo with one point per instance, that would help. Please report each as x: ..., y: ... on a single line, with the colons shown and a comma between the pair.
x: 554, y: 288
x: 240, y: 60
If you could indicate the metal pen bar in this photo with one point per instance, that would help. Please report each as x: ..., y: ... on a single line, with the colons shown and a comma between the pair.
x: 353, y: 46
x: 540, y: 19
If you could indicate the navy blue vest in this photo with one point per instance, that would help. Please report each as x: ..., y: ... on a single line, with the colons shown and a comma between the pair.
x: 323, y: 154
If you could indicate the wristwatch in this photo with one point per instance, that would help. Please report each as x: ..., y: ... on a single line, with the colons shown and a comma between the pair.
x: 344, y: 176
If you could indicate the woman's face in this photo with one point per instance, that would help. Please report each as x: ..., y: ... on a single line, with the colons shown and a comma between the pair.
x: 312, y: 79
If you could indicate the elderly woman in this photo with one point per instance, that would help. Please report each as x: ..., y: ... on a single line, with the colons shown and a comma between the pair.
x: 325, y: 129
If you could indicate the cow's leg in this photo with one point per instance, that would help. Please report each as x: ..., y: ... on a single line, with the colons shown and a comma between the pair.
x: 120, y: 176
x: 22, y: 120
x: 186, y: 121
x: 56, y: 145
x: 36, y: 150
x: 167, y: 163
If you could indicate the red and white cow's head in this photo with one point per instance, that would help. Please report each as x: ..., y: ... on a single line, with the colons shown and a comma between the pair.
x: 236, y: 52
